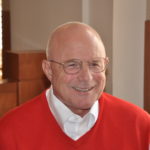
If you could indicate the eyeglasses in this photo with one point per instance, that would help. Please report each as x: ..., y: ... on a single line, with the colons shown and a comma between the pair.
x: 74, y: 66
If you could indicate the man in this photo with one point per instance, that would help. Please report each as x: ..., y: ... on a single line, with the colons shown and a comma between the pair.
x: 75, y: 113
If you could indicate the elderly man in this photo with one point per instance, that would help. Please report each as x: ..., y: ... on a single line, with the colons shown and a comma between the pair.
x: 75, y: 113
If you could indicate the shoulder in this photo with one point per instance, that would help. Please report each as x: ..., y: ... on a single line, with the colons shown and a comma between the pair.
x: 125, y: 109
x: 120, y: 103
x: 24, y: 111
x: 30, y: 117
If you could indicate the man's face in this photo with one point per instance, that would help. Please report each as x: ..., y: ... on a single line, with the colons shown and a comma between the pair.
x: 77, y: 91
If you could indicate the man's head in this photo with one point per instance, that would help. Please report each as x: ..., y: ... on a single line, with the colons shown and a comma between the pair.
x: 75, y: 65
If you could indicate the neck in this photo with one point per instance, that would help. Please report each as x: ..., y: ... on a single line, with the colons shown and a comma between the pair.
x: 80, y: 112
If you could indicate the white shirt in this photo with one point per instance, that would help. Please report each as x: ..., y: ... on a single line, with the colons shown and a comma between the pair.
x: 72, y: 124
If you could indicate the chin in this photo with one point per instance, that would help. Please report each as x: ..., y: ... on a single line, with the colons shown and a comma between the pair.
x: 88, y: 104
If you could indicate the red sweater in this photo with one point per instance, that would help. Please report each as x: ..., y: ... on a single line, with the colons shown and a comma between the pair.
x: 120, y: 126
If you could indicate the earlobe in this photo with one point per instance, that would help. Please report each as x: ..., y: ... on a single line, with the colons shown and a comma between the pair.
x: 47, y: 69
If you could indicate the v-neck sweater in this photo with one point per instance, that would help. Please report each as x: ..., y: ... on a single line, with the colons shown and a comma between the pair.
x: 72, y: 124
x: 120, y: 126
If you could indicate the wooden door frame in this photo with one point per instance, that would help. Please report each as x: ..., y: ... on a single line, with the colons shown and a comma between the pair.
x: 147, y: 67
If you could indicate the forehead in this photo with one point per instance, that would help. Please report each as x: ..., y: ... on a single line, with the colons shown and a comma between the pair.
x: 77, y: 43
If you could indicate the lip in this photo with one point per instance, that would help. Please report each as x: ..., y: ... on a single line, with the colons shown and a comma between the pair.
x: 83, y: 90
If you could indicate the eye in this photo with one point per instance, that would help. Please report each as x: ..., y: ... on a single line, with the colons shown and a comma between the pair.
x: 96, y: 64
x: 72, y: 64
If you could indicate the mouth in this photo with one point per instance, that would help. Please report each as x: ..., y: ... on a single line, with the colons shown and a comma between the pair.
x: 83, y: 89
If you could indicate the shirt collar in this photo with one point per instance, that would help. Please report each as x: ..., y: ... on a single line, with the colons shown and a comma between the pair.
x: 61, y: 112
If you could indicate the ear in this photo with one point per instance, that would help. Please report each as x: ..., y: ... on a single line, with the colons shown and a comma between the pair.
x: 47, y: 69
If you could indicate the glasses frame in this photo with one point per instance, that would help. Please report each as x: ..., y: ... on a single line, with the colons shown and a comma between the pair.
x: 81, y: 62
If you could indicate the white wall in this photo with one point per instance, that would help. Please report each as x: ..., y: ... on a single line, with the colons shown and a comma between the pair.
x: 148, y: 10
x: 128, y: 49
x: 32, y: 20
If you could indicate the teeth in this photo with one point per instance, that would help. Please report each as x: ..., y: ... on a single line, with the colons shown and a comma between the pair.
x: 82, y: 89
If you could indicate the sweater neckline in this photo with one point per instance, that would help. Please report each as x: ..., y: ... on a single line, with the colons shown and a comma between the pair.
x: 61, y: 135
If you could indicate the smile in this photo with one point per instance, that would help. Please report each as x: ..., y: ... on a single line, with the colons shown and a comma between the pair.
x: 82, y: 89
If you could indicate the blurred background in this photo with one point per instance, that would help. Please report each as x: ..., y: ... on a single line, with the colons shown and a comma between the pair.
x: 25, y: 26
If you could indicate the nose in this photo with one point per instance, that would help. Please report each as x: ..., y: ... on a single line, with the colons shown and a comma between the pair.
x: 85, y: 74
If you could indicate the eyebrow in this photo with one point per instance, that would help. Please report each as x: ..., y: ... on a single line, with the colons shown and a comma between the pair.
x: 94, y: 59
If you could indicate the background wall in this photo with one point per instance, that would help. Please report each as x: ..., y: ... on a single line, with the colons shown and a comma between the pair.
x: 148, y: 10
x: 128, y: 49
x: 32, y: 20
x: 120, y: 23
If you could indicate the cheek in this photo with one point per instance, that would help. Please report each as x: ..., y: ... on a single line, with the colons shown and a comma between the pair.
x: 61, y: 86
x: 101, y: 80
x: 60, y: 78
x: 55, y: 76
